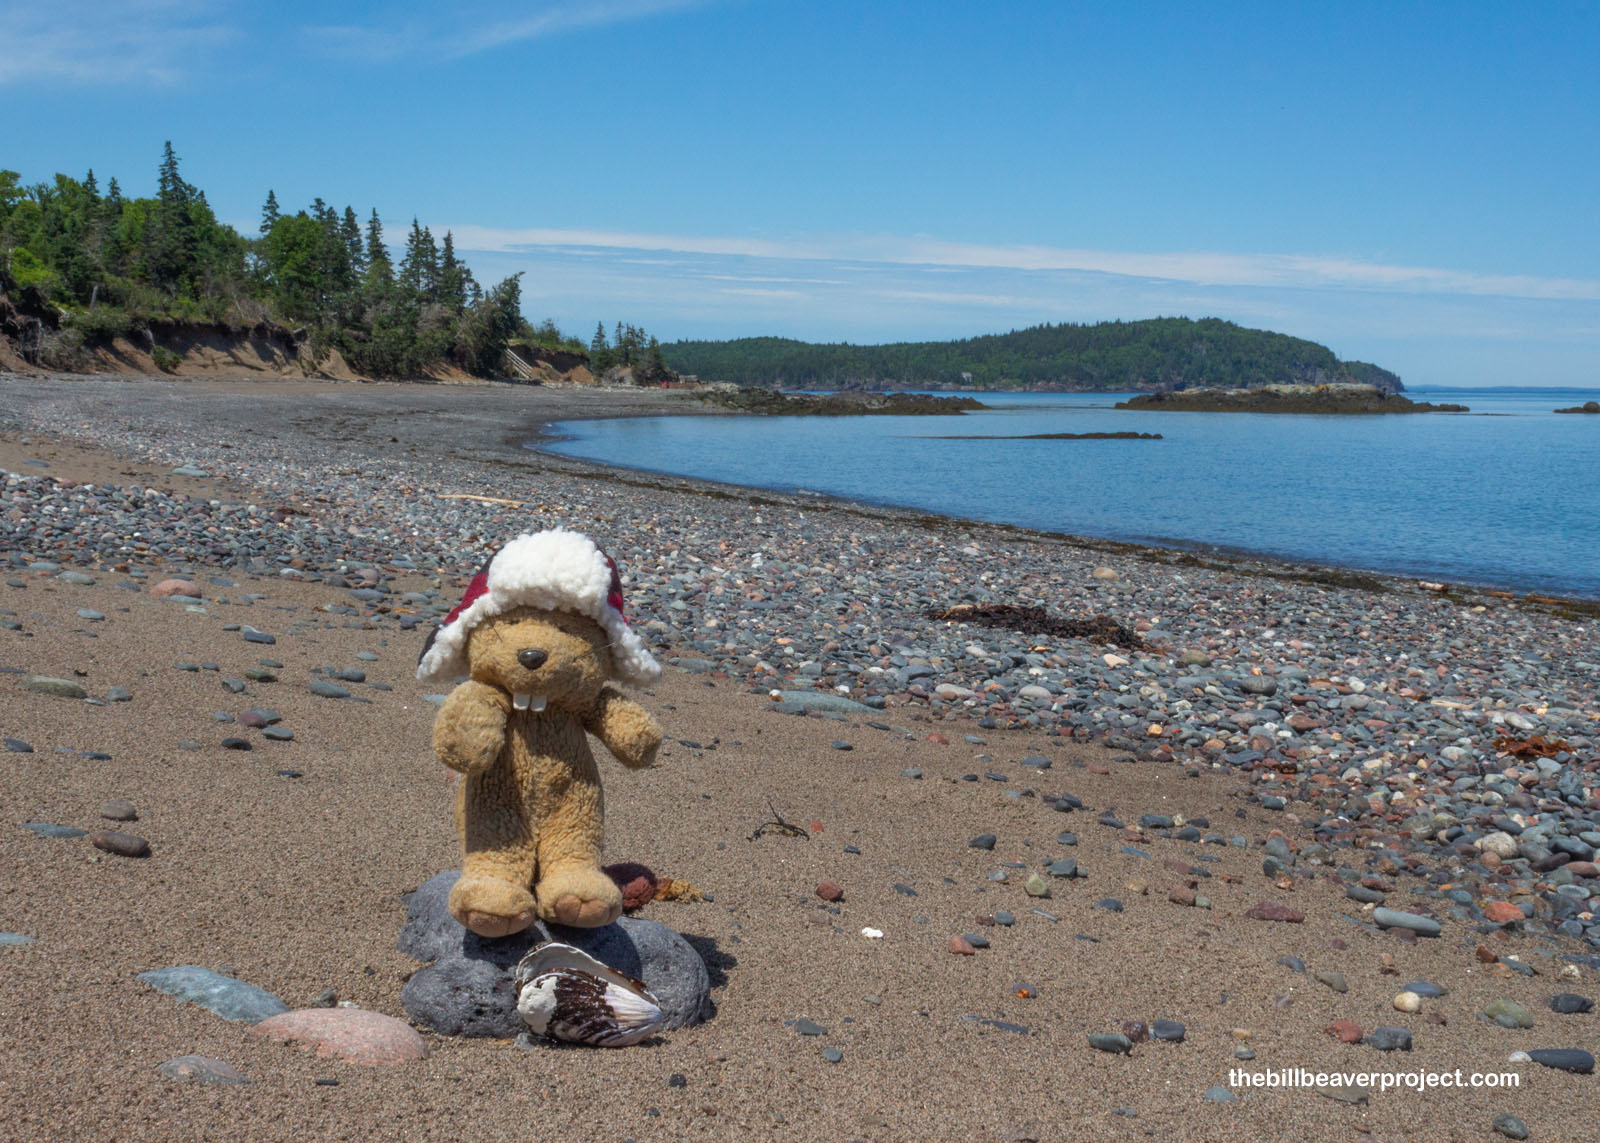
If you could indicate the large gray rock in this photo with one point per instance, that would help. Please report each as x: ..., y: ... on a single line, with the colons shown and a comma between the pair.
x: 468, y: 990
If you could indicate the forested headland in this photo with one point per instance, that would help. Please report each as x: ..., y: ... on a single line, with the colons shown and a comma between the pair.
x: 1159, y: 353
x: 82, y: 266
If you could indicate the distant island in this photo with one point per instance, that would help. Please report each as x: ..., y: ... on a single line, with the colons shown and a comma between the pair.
x: 1586, y: 407
x: 1116, y: 356
x: 769, y: 403
x: 1342, y: 398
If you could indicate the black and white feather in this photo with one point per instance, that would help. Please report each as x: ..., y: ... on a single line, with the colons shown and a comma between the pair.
x: 569, y: 995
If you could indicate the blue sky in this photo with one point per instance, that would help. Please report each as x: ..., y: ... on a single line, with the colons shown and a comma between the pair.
x: 1414, y: 184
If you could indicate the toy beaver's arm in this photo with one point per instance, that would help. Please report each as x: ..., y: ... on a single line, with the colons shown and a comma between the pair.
x: 625, y: 727
x: 471, y: 726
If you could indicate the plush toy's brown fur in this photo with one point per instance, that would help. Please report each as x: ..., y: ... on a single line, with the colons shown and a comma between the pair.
x: 530, y: 809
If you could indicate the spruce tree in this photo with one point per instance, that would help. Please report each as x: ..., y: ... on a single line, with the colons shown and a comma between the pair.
x: 379, y: 270
x: 269, y: 212
x: 350, y: 235
x: 452, y: 276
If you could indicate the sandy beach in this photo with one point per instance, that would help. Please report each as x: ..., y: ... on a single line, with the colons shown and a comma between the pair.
x: 343, y: 519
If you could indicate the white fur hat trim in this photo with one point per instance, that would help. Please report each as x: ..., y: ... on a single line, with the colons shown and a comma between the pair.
x: 555, y: 570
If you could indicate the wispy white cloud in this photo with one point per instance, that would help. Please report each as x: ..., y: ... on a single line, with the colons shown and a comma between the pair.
x: 456, y: 31
x: 1304, y: 271
x: 81, y: 42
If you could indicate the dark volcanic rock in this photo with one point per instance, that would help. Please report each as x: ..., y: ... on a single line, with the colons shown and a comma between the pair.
x: 469, y: 991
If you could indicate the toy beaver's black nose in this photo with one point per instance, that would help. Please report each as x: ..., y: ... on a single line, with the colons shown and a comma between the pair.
x: 532, y: 659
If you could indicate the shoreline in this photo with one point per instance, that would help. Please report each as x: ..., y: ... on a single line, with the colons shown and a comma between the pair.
x: 1262, y: 742
x: 1162, y: 550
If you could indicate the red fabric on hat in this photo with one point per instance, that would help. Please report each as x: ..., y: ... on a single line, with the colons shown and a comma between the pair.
x: 475, y: 589
x: 614, y: 596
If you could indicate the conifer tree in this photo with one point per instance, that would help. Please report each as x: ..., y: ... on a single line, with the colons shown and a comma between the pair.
x: 350, y: 235
x: 269, y: 212
x: 379, y: 270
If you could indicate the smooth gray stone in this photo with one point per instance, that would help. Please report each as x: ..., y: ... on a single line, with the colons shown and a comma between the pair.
x: 1216, y: 1093
x: 1570, y: 1003
x: 1111, y: 1042
x: 469, y: 991
x: 1564, y: 1059
x: 1387, y: 1038
x: 822, y: 700
x: 327, y: 690
x: 61, y: 688
x: 47, y: 829
x: 1394, y: 919
x: 189, y: 470
x: 15, y: 939
x: 222, y: 995
x: 119, y: 694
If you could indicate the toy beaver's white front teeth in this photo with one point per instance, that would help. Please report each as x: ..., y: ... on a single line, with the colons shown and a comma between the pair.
x: 528, y: 702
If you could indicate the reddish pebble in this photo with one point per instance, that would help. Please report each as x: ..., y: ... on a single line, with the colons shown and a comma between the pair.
x: 1136, y: 1030
x: 175, y: 587
x: 252, y: 718
x: 1582, y: 869
x: 960, y: 947
x: 1181, y: 896
x: 829, y: 891
x: 1272, y: 911
x: 1096, y: 768
x: 1485, y: 954
x: 1336, y: 943
x: 1178, y: 866
x: 1345, y: 1031
x: 939, y: 738
x: 1502, y: 912
x: 349, y: 1034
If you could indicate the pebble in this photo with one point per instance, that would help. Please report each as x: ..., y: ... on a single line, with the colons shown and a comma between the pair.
x: 1272, y: 911
x: 1035, y: 886
x: 1169, y: 1030
x: 221, y: 995
x: 1427, y: 989
x: 829, y: 890
x: 1508, y: 1014
x: 1216, y: 1093
x: 832, y: 1055
x: 328, y: 690
x: 278, y: 734
x: 1393, y: 919
x: 46, y: 829
x: 60, y: 688
x: 1563, y: 1059
x: 352, y: 1035
x: 1110, y: 1042
x: 1407, y: 1002
x: 15, y: 939
x: 119, y: 810
x: 1510, y: 1126
x: 201, y: 1069
x: 1333, y: 980
x: 121, y: 844
x: 809, y: 1028
x: 982, y: 841
x: 1345, y: 1031
x: 1570, y: 1003
x: 1390, y: 1039
x: 236, y: 744
x: 17, y: 746
x: 253, y: 636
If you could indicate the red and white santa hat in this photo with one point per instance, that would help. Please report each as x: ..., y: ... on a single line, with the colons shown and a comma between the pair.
x: 555, y: 570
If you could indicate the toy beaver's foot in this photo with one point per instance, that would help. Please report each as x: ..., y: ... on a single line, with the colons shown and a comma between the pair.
x: 582, y: 897
x: 491, y: 907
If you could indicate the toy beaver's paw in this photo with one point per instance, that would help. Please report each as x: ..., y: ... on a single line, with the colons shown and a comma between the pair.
x: 584, y: 898
x: 490, y: 906
x: 626, y: 728
x: 470, y: 728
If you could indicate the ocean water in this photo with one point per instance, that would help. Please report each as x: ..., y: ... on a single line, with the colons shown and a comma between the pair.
x: 1507, y: 495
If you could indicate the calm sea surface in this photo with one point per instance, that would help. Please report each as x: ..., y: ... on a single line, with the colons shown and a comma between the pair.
x: 1506, y: 495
